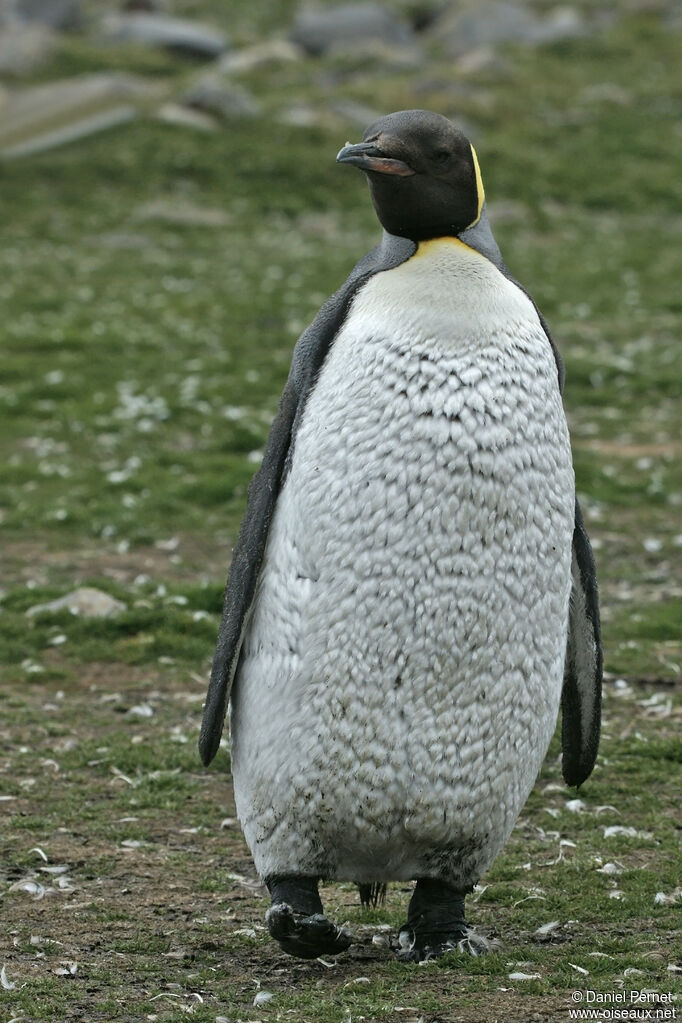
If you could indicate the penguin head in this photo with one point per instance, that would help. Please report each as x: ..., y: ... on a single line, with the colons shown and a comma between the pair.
x: 423, y: 174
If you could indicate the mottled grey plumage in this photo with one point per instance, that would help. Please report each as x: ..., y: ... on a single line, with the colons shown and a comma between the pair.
x: 306, y: 647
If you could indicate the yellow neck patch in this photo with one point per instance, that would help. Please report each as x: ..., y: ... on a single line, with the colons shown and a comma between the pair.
x: 479, y: 188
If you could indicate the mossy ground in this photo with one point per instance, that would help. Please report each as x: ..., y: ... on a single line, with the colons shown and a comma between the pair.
x: 143, y: 353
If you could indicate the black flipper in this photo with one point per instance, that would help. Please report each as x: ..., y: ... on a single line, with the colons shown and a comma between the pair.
x: 309, y: 354
x: 581, y: 696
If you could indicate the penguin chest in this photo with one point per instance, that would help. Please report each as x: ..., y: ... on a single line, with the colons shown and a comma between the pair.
x: 402, y: 669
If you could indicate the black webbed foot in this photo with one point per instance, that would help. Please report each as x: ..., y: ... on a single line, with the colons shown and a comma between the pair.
x: 306, y: 936
x: 435, y: 922
x: 296, y: 920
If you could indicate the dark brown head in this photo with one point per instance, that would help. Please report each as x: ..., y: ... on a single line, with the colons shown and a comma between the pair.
x: 423, y: 174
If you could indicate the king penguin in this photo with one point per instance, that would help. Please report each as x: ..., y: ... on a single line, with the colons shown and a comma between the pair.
x: 412, y: 593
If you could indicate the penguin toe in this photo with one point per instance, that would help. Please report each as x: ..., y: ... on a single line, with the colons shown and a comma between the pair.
x: 419, y: 948
x: 306, y: 936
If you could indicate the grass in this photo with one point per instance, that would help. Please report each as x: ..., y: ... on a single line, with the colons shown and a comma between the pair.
x: 153, y: 281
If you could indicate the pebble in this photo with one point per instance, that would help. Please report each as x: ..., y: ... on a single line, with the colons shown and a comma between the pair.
x: 178, y: 34
x: 320, y: 30
x: 85, y: 601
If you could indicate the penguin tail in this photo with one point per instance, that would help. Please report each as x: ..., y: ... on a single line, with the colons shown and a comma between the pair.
x: 372, y: 893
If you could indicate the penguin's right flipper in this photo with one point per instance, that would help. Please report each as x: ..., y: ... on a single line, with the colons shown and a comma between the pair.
x: 581, y: 696
x: 240, y: 591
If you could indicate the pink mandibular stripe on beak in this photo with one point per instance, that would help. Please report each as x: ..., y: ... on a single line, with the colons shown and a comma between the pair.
x: 366, y: 156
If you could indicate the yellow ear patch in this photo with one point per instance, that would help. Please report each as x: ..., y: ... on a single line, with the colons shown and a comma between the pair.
x: 479, y: 187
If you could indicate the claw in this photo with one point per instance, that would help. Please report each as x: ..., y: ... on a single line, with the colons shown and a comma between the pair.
x: 306, y: 935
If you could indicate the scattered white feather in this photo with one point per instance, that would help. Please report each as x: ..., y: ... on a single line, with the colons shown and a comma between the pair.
x: 37, y: 849
x: 611, y: 868
x: 34, y: 888
x: 119, y: 775
x: 262, y: 998
x: 547, y: 928
x: 9, y: 985
x: 579, y: 969
x: 142, y: 710
x: 625, y: 832
x: 575, y: 805
x: 674, y: 968
x: 67, y: 969
x: 529, y: 898
x: 524, y: 976
x: 616, y: 894
x: 661, y: 899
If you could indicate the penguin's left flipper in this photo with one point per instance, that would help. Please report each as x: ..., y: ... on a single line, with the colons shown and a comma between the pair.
x: 581, y: 695
x: 240, y: 591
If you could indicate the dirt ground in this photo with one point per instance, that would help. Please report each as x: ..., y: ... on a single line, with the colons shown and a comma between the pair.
x: 130, y: 893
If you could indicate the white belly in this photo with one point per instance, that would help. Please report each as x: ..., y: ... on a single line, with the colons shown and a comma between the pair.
x: 402, y: 669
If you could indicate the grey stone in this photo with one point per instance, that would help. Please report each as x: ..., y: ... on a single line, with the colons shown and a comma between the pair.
x: 355, y: 113
x: 187, y: 214
x: 492, y: 22
x: 178, y: 34
x: 185, y: 117
x: 319, y: 29
x: 301, y: 115
x: 24, y: 48
x: 61, y: 15
x: 85, y: 601
x: 224, y: 99
x: 41, y: 117
x: 272, y: 51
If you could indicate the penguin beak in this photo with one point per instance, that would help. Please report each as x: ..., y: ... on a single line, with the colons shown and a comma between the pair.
x: 368, y: 157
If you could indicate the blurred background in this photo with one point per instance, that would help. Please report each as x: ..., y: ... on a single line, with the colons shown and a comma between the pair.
x: 171, y: 218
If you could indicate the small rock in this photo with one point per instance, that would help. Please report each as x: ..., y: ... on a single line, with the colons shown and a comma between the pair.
x: 273, y: 51
x: 482, y: 59
x: 226, y: 100
x: 174, y: 211
x: 494, y: 21
x: 43, y: 116
x: 177, y: 34
x: 23, y: 48
x: 301, y: 115
x: 85, y: 601
x: 183, y: 117
x: 60, y: 15
x: 355, y: 113
x: 319, y: 29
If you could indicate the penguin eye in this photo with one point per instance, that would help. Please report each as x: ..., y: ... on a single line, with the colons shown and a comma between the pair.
x: 441, y: 156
